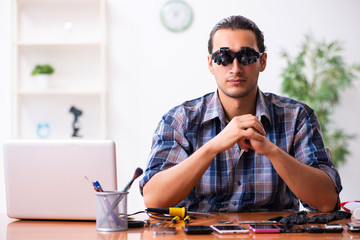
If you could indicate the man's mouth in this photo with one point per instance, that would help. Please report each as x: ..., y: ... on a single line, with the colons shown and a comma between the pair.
x: 236, y: 81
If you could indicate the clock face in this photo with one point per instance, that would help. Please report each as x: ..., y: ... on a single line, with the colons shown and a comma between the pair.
x: 176, y: 15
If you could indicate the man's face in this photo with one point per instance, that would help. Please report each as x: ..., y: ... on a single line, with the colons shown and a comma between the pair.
x: 236, y: 80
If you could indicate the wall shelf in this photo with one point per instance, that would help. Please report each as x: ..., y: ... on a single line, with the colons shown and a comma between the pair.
x: 70, y: 35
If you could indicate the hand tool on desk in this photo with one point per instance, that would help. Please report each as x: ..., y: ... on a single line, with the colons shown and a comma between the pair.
x: 181, y: 212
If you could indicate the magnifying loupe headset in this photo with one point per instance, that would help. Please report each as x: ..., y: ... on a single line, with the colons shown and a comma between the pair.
x: 245, y: 56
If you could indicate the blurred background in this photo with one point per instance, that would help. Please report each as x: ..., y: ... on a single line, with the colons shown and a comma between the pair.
x: 146, y: 69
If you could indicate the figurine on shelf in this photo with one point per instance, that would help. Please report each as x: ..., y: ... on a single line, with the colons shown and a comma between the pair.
x: 76, y: 125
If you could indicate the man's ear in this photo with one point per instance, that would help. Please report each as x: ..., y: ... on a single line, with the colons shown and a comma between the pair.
x: 263, y: 60
x: 211, y: 69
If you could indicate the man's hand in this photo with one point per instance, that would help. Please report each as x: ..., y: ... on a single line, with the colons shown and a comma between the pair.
x: 262, y: 147
x: 242, y: 130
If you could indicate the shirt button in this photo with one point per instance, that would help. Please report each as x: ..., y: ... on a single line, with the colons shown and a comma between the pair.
x: 234, y: 203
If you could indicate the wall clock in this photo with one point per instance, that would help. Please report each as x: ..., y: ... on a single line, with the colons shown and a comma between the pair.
x: 176, y: 15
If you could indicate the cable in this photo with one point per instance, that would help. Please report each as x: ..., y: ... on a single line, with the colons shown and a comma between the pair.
x: 131, y: 214
x: 161, y: 217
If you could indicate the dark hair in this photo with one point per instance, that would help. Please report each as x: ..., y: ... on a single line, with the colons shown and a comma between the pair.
x: 234, y: 23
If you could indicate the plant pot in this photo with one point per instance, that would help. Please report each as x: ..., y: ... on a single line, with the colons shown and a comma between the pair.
x: 42, y: 81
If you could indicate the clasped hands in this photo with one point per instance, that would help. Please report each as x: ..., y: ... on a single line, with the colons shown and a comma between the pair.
x: 248, y: 132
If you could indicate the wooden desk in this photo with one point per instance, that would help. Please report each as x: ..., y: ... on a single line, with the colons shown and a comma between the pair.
x: 11, y: 229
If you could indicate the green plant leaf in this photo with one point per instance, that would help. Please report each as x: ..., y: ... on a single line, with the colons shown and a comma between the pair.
x: 43, y: 69
x: 317, y: 76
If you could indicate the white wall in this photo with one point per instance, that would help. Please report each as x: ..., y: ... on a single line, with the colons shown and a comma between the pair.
x: 151, y: 69
x: 5, y: 86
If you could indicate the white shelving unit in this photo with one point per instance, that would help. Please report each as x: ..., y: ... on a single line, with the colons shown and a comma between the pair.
x: 70, y: 35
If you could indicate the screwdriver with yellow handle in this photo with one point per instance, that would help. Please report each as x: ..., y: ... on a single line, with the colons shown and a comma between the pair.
x: 180, y: 212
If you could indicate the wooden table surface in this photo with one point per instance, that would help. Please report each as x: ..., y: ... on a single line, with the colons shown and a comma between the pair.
x: 11, y: 229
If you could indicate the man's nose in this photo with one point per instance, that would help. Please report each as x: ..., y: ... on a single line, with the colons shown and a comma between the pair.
x: 236, y: 67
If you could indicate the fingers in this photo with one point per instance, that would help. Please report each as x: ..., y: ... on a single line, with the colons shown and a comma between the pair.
x: 244, y: 145
x: 250, y: 121
x: 247, y: 135
x: 241, y: 130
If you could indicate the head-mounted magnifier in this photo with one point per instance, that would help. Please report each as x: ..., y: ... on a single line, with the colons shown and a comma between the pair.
x: 245, y: 56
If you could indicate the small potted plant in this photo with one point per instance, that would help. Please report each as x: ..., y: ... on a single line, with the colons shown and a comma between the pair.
x: 42, y: 74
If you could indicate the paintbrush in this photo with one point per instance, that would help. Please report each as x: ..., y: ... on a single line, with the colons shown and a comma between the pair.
x: 137, y: 174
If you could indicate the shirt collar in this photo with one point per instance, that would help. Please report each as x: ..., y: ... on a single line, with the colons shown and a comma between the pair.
x: 215, y: 110
x: 262, y: 110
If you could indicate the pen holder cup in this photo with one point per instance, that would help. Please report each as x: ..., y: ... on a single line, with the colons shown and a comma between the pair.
x: 111, y: 211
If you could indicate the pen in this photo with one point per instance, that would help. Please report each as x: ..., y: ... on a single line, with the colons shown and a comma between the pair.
x: 97, y: 186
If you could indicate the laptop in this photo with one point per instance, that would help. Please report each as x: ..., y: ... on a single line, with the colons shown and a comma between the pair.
x: 46, y: 179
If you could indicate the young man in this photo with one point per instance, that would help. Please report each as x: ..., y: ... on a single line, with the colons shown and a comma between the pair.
x: 239, y: 149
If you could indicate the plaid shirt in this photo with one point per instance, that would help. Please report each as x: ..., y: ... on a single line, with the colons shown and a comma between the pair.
x: 237, y: 180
